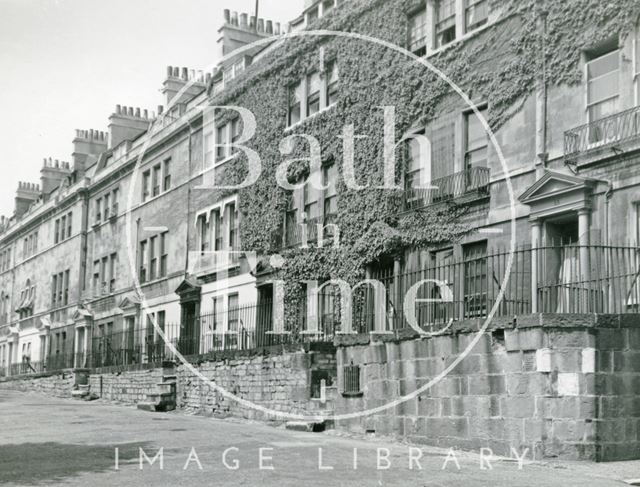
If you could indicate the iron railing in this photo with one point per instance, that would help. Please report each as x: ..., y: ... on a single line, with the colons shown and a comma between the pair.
x: 550, y: 279
x: 606, y: 132
x: 298, y: 234
x: 471, y: 180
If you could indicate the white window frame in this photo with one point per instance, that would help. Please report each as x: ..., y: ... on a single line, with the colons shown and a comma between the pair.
x: 460, y: 25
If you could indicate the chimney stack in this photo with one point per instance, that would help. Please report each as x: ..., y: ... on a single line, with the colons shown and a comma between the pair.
x: 51, y: 174
x: 234, y: 34
x: 176, y: 80
x: 127, y: 124
x: 26, y: 195
x: 87, y: 146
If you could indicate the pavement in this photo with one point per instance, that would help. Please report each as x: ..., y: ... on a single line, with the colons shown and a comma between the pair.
x: 48, y: 441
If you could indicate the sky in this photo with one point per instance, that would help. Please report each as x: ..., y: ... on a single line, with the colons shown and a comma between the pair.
x: 65, y: 64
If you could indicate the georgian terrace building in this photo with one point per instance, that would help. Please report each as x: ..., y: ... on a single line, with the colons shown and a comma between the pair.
x: 140, y: 209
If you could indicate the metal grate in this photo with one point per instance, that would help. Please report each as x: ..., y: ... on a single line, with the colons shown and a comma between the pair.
x: 351, y: 380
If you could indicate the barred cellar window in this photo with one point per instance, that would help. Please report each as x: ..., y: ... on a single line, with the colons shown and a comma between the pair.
x: 351, y: 380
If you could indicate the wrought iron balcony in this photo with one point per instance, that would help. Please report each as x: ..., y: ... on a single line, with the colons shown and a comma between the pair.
x: 209, y: 262
x: 610, y: 131
x: 471, y: 180
x: 299, y: 234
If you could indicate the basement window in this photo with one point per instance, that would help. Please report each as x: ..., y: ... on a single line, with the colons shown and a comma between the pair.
x: 351, y: 381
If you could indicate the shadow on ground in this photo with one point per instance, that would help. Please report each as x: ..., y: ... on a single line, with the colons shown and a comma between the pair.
x: 34, y: 463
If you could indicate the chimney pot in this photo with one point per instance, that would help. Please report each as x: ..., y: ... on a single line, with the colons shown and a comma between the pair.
x: 269, y: 27
x: 137, y: 115
x: 131, y: 111
x: 227, y: 15
x: 260, y: 25
x: 176, y: 72
x: 185, y: 74
x: 160, y: 109
x: 234, y: 18
x: 252, y: 22
x: 276, y: 30
x: 243, y: 20
x: 118, y: 109
x: 146, y: 114
x: 169, y: 71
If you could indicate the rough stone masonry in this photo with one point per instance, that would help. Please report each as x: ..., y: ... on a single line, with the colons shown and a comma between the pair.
x: 557, y: 385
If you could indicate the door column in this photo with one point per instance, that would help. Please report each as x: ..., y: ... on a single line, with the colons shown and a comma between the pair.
x: 536, y: 225
x: 76, y: 347
x: 584, y: 215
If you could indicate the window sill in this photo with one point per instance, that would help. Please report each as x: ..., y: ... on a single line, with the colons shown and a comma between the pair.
x: 353, y: 394
x: 459, y: 40
x: 300, y: 123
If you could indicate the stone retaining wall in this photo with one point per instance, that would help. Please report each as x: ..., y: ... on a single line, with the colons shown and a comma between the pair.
x: 281, y: 382
x: 561, y: 386
x: 57, y: 385
x: 127, y: 387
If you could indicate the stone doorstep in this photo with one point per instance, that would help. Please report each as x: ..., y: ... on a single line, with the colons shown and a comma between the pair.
x: 153, y: 407
x: 309, y: 426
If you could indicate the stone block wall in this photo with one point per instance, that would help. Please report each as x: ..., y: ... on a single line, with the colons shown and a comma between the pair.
x: 281, y: 382
x: 57, y: 385
x: 127, y: 387
x: 559, y: 386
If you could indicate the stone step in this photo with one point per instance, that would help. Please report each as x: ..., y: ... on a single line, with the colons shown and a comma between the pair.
x: 309, y: 426
x: 156, y: 408
x: 79, y: 394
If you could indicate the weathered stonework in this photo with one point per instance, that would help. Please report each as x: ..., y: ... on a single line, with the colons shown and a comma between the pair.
x: 279, y: 382
x: 57, y: 385
x: 557, y: 387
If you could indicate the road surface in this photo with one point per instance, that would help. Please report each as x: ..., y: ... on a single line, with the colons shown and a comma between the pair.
x: 47, y: 441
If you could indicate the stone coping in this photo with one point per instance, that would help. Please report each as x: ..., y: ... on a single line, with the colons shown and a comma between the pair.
x: 536, y: 320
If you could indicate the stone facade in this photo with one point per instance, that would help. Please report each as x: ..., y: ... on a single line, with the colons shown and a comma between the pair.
x: 557, y: 386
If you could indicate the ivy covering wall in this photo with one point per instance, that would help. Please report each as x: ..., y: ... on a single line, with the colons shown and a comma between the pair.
x: 500, y: 65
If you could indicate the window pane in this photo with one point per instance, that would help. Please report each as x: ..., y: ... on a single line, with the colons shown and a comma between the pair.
x: 476, y: 133
x: 417, y: 30
x: 603, y: 65
x: 445, y: 22
x: 313, y: 90
x: 295, y: 103
x: 476, y: 13
x: 603, y: 109
x: 604, y: 87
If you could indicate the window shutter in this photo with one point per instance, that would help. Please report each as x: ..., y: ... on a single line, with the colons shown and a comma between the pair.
x: 443, y: 150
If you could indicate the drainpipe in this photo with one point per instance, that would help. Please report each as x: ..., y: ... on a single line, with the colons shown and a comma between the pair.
x: 607, y: 264
x: 541, y: 98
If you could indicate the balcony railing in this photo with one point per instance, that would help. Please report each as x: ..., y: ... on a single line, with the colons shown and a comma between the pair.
x: 297, y: 234
x: 471, y: 180
x: 606, y: 132
x: 208, y: 262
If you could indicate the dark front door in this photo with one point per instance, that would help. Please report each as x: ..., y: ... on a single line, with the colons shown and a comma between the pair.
x: 264, y: 317
x: 189, y: 341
